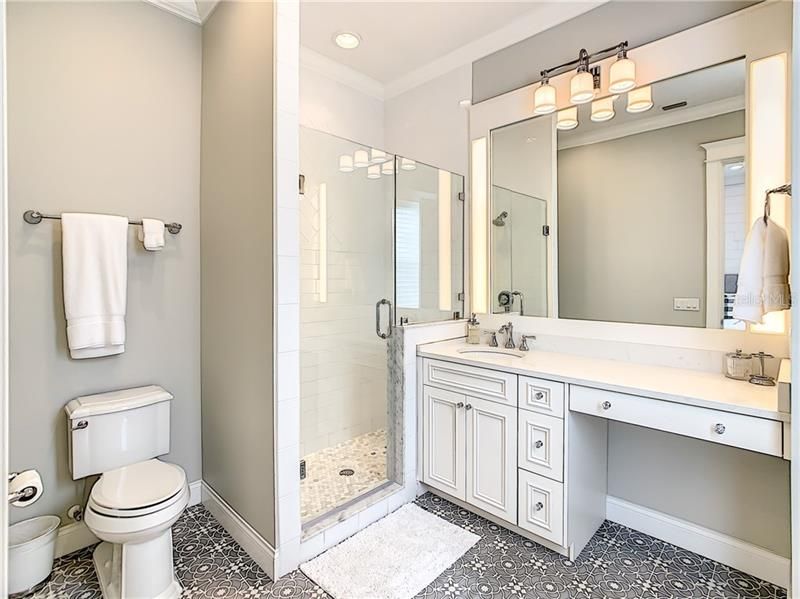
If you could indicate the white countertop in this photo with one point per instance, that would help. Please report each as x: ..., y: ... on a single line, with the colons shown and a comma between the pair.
x: 704, y: 389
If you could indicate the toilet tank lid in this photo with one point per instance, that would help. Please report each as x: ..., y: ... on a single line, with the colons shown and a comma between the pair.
x: 115, y: 401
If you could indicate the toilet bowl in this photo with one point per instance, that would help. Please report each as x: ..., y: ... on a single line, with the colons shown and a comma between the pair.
x: 132, y: 510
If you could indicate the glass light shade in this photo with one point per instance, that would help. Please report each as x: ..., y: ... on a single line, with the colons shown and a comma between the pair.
x: 346, y: 163
x: 544, y: 99
x: 603, y: 109
x: 622, y: 76
x: 387, y: 168
x: 407, y: 164
x: 567, y: 119
x: 581, y: 88
x: 640, y: 99
x: 361, y: 158
x: 377, y: 156
x: 374, y: 171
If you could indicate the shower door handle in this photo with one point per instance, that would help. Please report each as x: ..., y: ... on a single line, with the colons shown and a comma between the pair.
x: 378, y: 332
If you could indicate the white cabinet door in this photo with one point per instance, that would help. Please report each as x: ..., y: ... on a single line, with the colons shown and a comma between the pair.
x: 444, y: 452
x: 492, y: 457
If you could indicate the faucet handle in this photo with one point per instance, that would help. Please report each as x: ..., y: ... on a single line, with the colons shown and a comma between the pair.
x: 493, y: 338
x: 523, y: 346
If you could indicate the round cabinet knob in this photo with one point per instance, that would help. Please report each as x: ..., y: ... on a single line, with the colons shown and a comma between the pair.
x: 539, y: 444
x: 606, y: 405
x: 539, y: 506
x: 469, y: 406
x: 719, y: 428
x: 539, y: 395
x: 460, y: 404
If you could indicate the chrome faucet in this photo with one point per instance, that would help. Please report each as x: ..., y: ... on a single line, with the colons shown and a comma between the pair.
x: 508, y: 329
x: 521, y: 302
x: 523, y: 346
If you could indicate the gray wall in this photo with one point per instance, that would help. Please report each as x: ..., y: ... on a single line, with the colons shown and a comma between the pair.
x: 237, y: 260
x: 739, y: 493
x: 103, y: 116
x: 635, y: 21
x: 632, y: 224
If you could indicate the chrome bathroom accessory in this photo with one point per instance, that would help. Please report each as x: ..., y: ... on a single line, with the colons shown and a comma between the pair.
x: 508, y: 329
x: 761, y: 378
x: 521, y: 301
x: 783, y: 189
x: 378, y: 332
x: 523, y: 345
x: 34, y: 217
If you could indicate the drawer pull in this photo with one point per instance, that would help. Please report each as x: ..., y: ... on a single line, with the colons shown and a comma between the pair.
x: 606, y: 405
x: 539, y: 506
x: 460, y: 404
x: 539, y: 444
x: 719, y: 428
x: 469, y: 406
x: 539, y: 395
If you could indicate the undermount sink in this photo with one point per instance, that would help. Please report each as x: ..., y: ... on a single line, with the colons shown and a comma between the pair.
x: 492, y: 351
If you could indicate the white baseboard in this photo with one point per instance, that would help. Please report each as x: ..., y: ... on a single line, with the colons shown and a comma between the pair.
x: 76, y: 536
x: 722, y: 548
x: 253, y: 543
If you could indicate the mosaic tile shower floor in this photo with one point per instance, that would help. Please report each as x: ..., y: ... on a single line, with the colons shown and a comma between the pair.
x: 324, y: 488
x: 618, y: 563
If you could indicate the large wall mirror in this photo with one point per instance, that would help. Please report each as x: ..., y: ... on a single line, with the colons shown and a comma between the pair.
x: 642, y: 205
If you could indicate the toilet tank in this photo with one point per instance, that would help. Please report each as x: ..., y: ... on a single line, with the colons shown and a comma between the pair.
x: 118, y: 428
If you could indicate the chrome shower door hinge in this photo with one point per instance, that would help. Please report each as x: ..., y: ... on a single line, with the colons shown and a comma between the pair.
x: 302, y: 469
x: 460, y: 296
x: 461, y: 196
x: 302, y: 185
x: 546, y: 230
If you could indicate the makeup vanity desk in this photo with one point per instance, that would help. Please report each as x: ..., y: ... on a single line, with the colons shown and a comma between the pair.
x: 523, y: 438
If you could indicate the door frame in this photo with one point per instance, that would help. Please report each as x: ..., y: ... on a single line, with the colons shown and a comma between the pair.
x: 794, y: 469
x: 3, y: 304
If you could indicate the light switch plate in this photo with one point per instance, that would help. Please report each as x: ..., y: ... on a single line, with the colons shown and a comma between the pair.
x: 686, y: 304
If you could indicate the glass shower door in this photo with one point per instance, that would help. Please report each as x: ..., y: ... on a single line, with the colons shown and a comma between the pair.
x: 346, y: 316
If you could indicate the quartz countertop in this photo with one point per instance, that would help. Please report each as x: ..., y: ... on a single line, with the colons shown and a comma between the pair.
x: 691, y: 387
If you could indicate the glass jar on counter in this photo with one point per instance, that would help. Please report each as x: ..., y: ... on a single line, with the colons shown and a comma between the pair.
x: 738, y: 365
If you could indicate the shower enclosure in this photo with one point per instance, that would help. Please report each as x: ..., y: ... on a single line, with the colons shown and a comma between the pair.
x: 381, y: 239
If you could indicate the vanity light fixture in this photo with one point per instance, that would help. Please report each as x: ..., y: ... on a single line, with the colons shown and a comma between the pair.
x: 387, y: 168
x: 622, y: 74
x: 544, y: 98
x: 374, y: 171
x: 567, y: 119
x: 347, y: 40
x: 603, y: 109
x: 360, y: 158
x: 346, y: 163
x: 407, y: 164
x: 377, y: 156
x: 581, y: 86
x: 640, y: 99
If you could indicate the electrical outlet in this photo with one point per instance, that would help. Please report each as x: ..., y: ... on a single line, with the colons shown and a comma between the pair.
x: 686, y: 304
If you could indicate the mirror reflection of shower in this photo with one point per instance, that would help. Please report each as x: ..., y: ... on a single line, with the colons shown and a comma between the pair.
x: 500, y: 219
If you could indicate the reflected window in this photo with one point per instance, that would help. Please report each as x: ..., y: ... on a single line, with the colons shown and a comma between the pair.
x: 408, y: 254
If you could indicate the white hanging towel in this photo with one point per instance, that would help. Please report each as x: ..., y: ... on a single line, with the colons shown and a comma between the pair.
x: 95, y: 262
x: 763, y: 284
x: 152, y: 234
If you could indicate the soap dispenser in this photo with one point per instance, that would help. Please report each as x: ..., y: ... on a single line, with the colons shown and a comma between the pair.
x: 473, y: 330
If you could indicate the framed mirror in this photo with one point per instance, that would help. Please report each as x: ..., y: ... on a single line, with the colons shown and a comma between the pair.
x: 630, y: 208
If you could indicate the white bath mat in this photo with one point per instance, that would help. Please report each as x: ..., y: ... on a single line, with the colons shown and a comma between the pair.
x: 395, y: 558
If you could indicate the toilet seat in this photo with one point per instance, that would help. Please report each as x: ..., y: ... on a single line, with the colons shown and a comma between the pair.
x: 138, y: 490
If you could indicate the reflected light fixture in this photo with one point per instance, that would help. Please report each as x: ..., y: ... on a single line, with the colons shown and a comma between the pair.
x: 347, y: 40
x: 567, y: 119
x: 622, y: 74
x: 377, y: 156
x: 407, y: 164
x: 361, y: 158
x: 346, y: 163
x: 544, y: 98
x: 640, y: 99
x: 581, y: 86
x: 603, y: 109
x: 374, y: 171
x: 387, y: 168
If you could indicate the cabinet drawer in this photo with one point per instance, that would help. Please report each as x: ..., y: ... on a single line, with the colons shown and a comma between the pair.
x: 539, y: 395
x: 541, y: 506
x: 541, y: 444
x: 737, y: 430
x: 477, y: 382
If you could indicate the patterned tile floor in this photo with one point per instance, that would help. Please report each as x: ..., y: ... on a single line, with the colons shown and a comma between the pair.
x: 324, y: 488
x: 617, y: 563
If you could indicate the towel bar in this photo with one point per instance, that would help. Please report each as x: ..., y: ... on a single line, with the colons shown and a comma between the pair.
x: 34, y: 217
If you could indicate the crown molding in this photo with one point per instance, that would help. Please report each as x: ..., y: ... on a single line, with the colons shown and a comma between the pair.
x: 186, y: 9
x: 543, y: 16
x: 314, y: 61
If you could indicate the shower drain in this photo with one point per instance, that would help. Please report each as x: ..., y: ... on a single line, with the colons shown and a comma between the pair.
x: 347, y: 472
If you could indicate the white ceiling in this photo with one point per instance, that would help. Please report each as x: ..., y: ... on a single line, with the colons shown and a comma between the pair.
x: 400, y: 39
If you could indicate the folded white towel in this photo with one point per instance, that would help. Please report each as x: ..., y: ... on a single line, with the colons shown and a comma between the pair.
x: 95, y: 263
x: 763, y: 284
x: 152, y: 234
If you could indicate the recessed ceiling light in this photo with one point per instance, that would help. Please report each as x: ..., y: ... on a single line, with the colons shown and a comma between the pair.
x: 347, y: 40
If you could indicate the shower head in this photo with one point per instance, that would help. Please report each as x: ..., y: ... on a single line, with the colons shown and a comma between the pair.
x: 500, y: 221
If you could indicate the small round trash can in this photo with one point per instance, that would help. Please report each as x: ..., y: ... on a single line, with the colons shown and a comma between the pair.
x: 31, y: 548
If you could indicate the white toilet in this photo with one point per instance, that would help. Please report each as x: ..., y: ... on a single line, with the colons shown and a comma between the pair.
x: 138, y: 498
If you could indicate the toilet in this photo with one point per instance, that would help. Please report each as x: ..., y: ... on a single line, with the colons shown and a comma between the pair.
x: 131, y: 509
